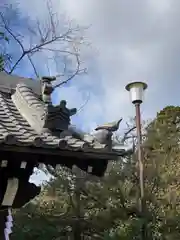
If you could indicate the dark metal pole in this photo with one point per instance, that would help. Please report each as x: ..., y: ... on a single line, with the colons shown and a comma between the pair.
x: 141, y: 168
x: 139, y: 148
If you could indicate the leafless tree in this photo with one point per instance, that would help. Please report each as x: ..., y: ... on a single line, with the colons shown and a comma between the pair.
x: 129, y: 135
x: 43, y: 41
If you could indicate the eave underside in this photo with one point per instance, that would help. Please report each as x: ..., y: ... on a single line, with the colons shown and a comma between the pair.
x: 43, y: 153
x: 14, y: 155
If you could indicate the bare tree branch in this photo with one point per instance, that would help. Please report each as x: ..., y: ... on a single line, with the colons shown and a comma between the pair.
x: 76, y: 72
x: 126, y: 136
x: 84, y: 104
x: 10, y: 31
x: 127, y: 133
x: 31, y: 61
x: 46, y: 38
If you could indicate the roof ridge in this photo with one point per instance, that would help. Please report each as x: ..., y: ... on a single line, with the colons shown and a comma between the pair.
x: 22, y: 99
x: 29, y: 95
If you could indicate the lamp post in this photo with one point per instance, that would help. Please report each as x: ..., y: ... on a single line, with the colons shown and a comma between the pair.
x: 136, y: 90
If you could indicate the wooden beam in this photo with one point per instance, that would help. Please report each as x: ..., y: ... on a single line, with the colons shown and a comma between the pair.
x: 11, y: 191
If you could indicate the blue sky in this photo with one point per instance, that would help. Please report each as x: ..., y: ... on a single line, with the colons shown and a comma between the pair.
x: 130, y: 40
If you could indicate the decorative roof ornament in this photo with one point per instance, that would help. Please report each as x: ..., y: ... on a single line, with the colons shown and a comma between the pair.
x: 41, y: 114
x: 102, y: 135
x: 47, y: 89
x: 112, y: 127
x: 56, y: 118
x: 104, y: 132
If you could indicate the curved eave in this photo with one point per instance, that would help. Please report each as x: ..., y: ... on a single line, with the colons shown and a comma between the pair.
x: 92, y: 154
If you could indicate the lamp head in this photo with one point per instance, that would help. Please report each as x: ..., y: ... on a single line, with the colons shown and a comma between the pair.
x: 136, y: 90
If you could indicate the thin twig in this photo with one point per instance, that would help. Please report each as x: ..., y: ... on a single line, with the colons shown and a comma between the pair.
x: 74, y: 74
x: 34, y: 68
x: 84, y: 104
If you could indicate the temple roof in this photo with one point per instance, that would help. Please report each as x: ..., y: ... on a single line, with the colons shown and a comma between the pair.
x: 26, y: 121
x: 15, y: 129
x: 34, y: 131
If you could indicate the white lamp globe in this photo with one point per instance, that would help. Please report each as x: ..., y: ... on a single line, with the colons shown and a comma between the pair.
x: 136, y: 90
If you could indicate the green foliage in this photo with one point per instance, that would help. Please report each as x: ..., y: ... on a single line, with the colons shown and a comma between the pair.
x: 163, y: 173
x: 75, y: 205
x: 3, y: 37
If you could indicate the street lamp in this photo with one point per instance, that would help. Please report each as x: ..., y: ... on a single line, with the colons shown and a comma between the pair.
x: 136, y: 90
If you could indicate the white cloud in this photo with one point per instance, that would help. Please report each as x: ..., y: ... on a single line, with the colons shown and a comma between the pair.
x: 135, y: 40
x: 161, y: 6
